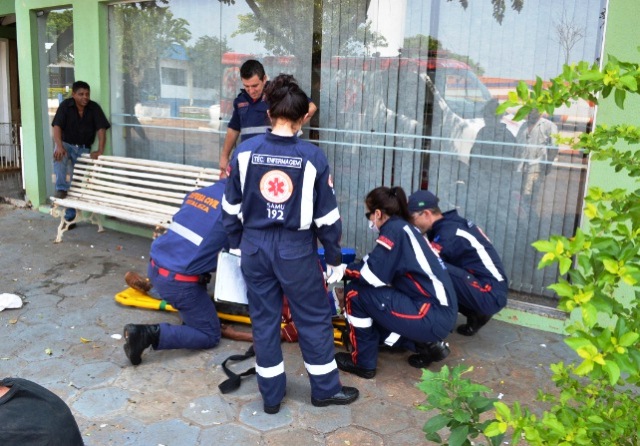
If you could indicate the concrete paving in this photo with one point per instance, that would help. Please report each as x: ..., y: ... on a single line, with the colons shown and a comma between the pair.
x: 63, y: 339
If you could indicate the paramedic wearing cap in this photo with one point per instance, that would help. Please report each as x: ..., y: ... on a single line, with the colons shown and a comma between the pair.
x: 249, y: 116
x: 399, y: 290
x: 474, y: 265
x: 278, y: 202
x: 179, y: 269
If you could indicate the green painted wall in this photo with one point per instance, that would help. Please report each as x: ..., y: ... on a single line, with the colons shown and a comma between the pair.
x: 90, y: 46
x: 620, y: 42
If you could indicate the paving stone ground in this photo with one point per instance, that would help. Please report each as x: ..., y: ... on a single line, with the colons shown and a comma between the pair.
x: 62, y: 338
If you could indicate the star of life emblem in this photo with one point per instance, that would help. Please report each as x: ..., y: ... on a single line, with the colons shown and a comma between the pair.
x: 276, y: 186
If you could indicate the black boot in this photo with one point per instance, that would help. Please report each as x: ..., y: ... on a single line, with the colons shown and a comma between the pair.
x: 474, y: 323
x: 429, y: 352
x: 137, y: 338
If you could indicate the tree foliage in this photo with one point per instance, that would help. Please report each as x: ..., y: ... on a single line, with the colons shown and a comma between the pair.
x: 142, y: 46
x: 596, y: 400
x: 499, y: 7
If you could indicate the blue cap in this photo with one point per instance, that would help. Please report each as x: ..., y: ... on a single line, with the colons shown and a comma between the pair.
x: 421, y: 200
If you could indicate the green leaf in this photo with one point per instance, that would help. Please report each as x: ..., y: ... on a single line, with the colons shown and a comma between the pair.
x: 612, y: 369
x: 496, y: 428
x: 436, y: 423
x: 629, y: 82
x: 565, y: 265
x: 628, y: 339
x: 576, y: 343
x: 458, y: 436
x: 619, y: 97
x: 502, y: 411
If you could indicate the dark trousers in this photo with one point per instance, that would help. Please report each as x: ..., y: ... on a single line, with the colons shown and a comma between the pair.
x: 279, y: 262
x: 201, y: 326
x: 385, y: 315
x: 477, y: 296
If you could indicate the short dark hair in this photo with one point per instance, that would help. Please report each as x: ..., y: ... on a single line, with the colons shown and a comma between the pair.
x: 252, y: 68
x: 286, y: 99
x: 390, y: 200
x: 77, y: 85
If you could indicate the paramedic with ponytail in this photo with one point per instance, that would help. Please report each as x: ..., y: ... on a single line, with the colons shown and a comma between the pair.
x: 399, y: 292
x: 278, y: 202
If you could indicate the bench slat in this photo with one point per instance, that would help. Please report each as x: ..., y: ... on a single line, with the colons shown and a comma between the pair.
x: 136, y: 190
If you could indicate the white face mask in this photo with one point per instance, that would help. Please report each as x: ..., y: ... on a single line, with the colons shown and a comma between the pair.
x: 373, y: 227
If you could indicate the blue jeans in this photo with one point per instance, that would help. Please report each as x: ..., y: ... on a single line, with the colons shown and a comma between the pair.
x: 63, y: 170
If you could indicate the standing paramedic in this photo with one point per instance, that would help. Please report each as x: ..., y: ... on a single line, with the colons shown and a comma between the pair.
x: 75, y: 125
x: 400, y: 291
x: 181, y: 261
x: 473, y: 263
x: 278, y: 202
x: 249, y: 116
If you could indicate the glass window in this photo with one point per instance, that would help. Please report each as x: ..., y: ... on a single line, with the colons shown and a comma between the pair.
x: 406, y: 92
x: 56, y: 58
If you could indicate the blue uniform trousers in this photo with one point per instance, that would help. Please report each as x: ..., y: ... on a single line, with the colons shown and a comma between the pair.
x: 63, y: 169
x: 201, y: 326
x: 382, y: 315
x: 485, y: 298
x: 277, y: 262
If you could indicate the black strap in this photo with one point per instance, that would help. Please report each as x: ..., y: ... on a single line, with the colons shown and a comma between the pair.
x: 234, y: 380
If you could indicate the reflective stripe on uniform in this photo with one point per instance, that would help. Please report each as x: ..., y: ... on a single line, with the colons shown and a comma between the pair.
x: 360, y: 322
x: 482, y: 253
x: 243, y: 165
x: 185, y: 233
x: 231, y: 209
x: 322, y: 369
x: 270, y: 372
x: 328, y: 219
x: 441, y: 293
x: 367, y: 274
x: 258, y: 130
x: 392, y: 339
x: 306, y: 199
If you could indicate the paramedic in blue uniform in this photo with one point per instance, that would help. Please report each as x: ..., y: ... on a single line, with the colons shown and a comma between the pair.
x: 400, y: 289
x: 278, y: 202
x: 473, y: 263
x: 181, y: 261
x: 75, y: 125
x: 249, y: 116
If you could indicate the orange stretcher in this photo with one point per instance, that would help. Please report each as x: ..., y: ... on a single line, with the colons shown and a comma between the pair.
x: 134, y: 298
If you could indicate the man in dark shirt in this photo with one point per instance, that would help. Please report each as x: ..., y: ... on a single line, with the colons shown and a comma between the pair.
x: 75, y: 125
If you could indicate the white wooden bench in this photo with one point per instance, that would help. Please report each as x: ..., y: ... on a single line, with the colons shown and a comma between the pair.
x: 130, y: 189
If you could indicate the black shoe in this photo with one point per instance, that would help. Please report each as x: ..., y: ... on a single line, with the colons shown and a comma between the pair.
x: 474, y: 323
x: 345, y: 363
x: 61, y: 194
x: 347, y: 395
x: 271, y: 410
x: 137, y: 338
x: 429, y: 352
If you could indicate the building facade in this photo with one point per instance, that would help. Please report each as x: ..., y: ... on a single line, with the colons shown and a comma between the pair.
x: 402, y: 88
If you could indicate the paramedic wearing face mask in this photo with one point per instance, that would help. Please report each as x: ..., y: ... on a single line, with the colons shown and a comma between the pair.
x: 400, y: 289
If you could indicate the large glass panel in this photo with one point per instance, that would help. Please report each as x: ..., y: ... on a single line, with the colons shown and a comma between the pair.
x: 408, y: 95
x: 175, y: 72
x: 405, y: 92
x: 55, y: 50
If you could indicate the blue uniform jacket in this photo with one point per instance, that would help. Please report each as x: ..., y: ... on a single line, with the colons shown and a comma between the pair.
x: 463, y: 244
x: 278, y: 181
x: 196, y: 236
x: 249, y: 117
x: 403, y: 259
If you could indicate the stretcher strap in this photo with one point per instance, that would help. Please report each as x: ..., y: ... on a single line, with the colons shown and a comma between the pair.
x: 234, y: 380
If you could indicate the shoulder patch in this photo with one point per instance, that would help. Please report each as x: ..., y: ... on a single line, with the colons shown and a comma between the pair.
x: 385, y: 242
x: 243, y: 104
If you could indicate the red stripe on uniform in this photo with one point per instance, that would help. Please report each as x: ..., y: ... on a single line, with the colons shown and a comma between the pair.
x: 352, y: 337
x: 418, y: 286
x: 424, y: 309
x: 483, y: 289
